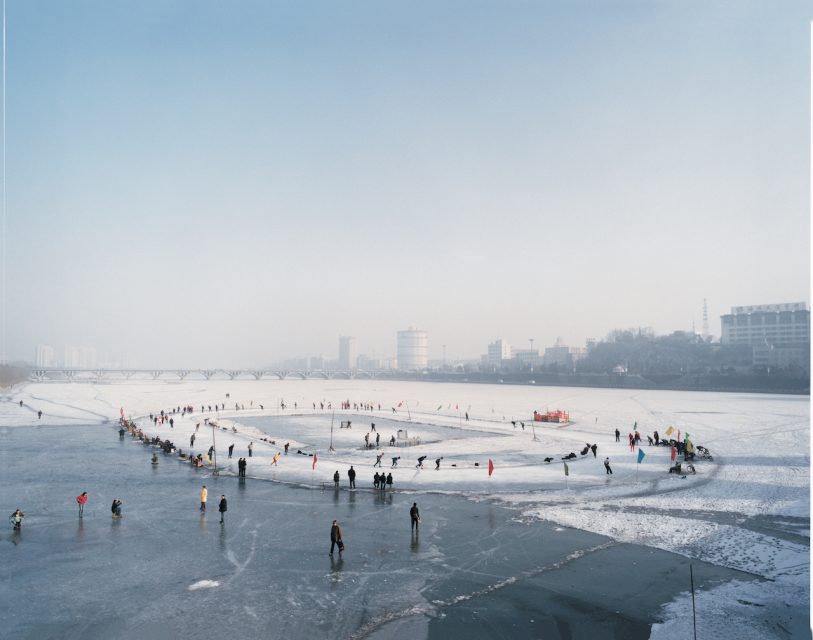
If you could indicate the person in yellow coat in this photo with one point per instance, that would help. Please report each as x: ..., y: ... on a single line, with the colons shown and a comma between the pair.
x: 204, y: 495
x: 276, y: 458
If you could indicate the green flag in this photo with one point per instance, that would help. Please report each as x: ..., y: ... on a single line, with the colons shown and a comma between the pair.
x: 567, y: 470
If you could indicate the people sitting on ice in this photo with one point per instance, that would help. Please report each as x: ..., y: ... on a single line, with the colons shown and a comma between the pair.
x: 389, y: 481
x: 548, y: 459
x: 375, y: 480
x: 569, y: 456
x: 392, y: 441
x: 586, y: 450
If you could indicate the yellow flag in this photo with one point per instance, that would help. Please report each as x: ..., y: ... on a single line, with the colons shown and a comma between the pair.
x: 669, y: 431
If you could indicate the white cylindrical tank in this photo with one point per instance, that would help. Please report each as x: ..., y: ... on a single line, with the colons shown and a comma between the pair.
x: 413, y: 350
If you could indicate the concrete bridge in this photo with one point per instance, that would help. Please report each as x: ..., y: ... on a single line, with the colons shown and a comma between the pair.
x: 62, y: 374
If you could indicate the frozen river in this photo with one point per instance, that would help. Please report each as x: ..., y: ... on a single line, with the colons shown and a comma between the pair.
x: 526, y: 552
x: 165, y: 571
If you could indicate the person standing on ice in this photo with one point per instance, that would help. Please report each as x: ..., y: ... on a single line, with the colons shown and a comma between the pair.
x: 389, y: 481
x: 617, y: 435
x: 657, y: 438
x: 82, y: 501
x: 608, y: 471
x: 192, y: 440
x: 594, y: 449
x: 336, y: 538
x: 336, y: 479
x: 222, y: 507
x: 204, y: 495
x: 415, y: 516
x: 231, y: 448
x: 276, y: 458
x: 250, y: 448
x: 351, y: 474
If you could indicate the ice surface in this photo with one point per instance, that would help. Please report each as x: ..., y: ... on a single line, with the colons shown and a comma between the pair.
x: 747, y: 510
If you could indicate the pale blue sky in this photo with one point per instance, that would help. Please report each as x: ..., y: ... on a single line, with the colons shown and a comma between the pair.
x: 210, y: 183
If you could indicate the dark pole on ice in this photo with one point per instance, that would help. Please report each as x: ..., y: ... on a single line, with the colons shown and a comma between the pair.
x: 694, y: 614
x: 332, y: 415
x: 214, y: 449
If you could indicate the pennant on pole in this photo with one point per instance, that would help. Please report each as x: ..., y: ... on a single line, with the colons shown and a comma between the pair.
x: 440, y: 406
x: 314, y: 461
x: 567, y: 469
x: 640, y: 455
x: 674, y: 451
x: 669, y: 431
x: 678, y: 435
x: 490, y: 467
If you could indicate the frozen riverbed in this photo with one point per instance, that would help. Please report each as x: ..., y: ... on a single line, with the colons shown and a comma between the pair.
x: 746, y: 511
x: 165, y: 569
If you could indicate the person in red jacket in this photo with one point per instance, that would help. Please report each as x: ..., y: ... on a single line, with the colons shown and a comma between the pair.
x: 82, y: 501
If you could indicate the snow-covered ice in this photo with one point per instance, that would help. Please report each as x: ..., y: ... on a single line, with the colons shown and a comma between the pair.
x: 747, y: 510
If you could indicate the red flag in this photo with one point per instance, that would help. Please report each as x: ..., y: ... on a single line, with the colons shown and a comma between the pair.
x: 314, y: 461
x: 678, y: 435
x: 490, y: 467
x: 673, y: 453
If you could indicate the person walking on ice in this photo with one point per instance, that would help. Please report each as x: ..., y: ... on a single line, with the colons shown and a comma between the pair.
x: 204, y: 495
x: 351, y: 474
x: 231, y: 448
x: 437, y: 463
x: 222, y: 507
x: 81, y: 500
x: 415, y: 516
x: 378, y: 460
x: 609, y: 471
x: 336, y: 538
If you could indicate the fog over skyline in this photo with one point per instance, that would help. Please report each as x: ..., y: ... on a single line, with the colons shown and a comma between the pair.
x: 209, y: 184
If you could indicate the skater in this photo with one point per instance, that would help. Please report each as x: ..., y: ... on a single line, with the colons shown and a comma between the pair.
x: 608, y: 471
x: 420, y: 462
x: 287, y: 444
x: 395, y: 462
x: 115, y: 508
x: 377, y: 439
x: 351, y: 473
x: 231, y: 448
x: 250, y: 448
x: 192, y: 440
x: 594, y: 449
x: 16, y: 519
x: 81, y: 500
x: 389, y: 481
x: 415, y: 517
x: 222, y: 507
x: 617, y: 435
x: 204, y: 495
x: 378, y: 460
x: 437, y: 463
x: 336, y: 480
x: 336, y: 537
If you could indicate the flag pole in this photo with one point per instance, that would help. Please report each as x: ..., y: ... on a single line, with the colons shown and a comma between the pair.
x: 214, y: 450
x: 332, y: 416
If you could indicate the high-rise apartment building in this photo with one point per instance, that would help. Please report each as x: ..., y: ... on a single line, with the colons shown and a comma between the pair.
x: 498, y: 351
x: 348, y: 352
x: 45, y: 355
x: 774, y: 324
x: 413, y: 350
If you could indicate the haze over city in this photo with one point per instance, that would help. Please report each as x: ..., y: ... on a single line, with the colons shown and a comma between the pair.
x: 202, y: 185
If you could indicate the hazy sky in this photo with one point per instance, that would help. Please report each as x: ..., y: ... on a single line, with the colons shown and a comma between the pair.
x: 229, y: 183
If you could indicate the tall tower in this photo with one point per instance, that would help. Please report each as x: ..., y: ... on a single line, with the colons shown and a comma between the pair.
x: 413, y: 350
x: 705, y: 320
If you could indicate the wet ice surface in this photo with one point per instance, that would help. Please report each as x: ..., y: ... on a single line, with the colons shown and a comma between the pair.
x: 164, y: 570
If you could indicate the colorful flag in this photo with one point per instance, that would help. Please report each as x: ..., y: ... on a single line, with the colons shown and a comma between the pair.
x: 678, y: 435
x: 674, y: 451
x: 640, y: 455
x: 635, y: 426
x: 314, y: 461
x: 490, y: 467
x: 669, y: 431
x: 567, y: 470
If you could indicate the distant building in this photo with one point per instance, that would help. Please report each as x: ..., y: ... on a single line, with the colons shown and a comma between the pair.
x: 79, y: 357
x: 774, y: 324
x: 779, y: 334
x: 315, y: 362
x: 498, y: 352
x: 348, y: 352
x: 368, y: 364
x: 524, y: 358
x: 563, y: 356
x: 45, y: 356
x: 413, y: 350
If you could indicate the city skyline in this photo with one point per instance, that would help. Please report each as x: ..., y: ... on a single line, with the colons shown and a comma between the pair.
x: 195, y: 185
